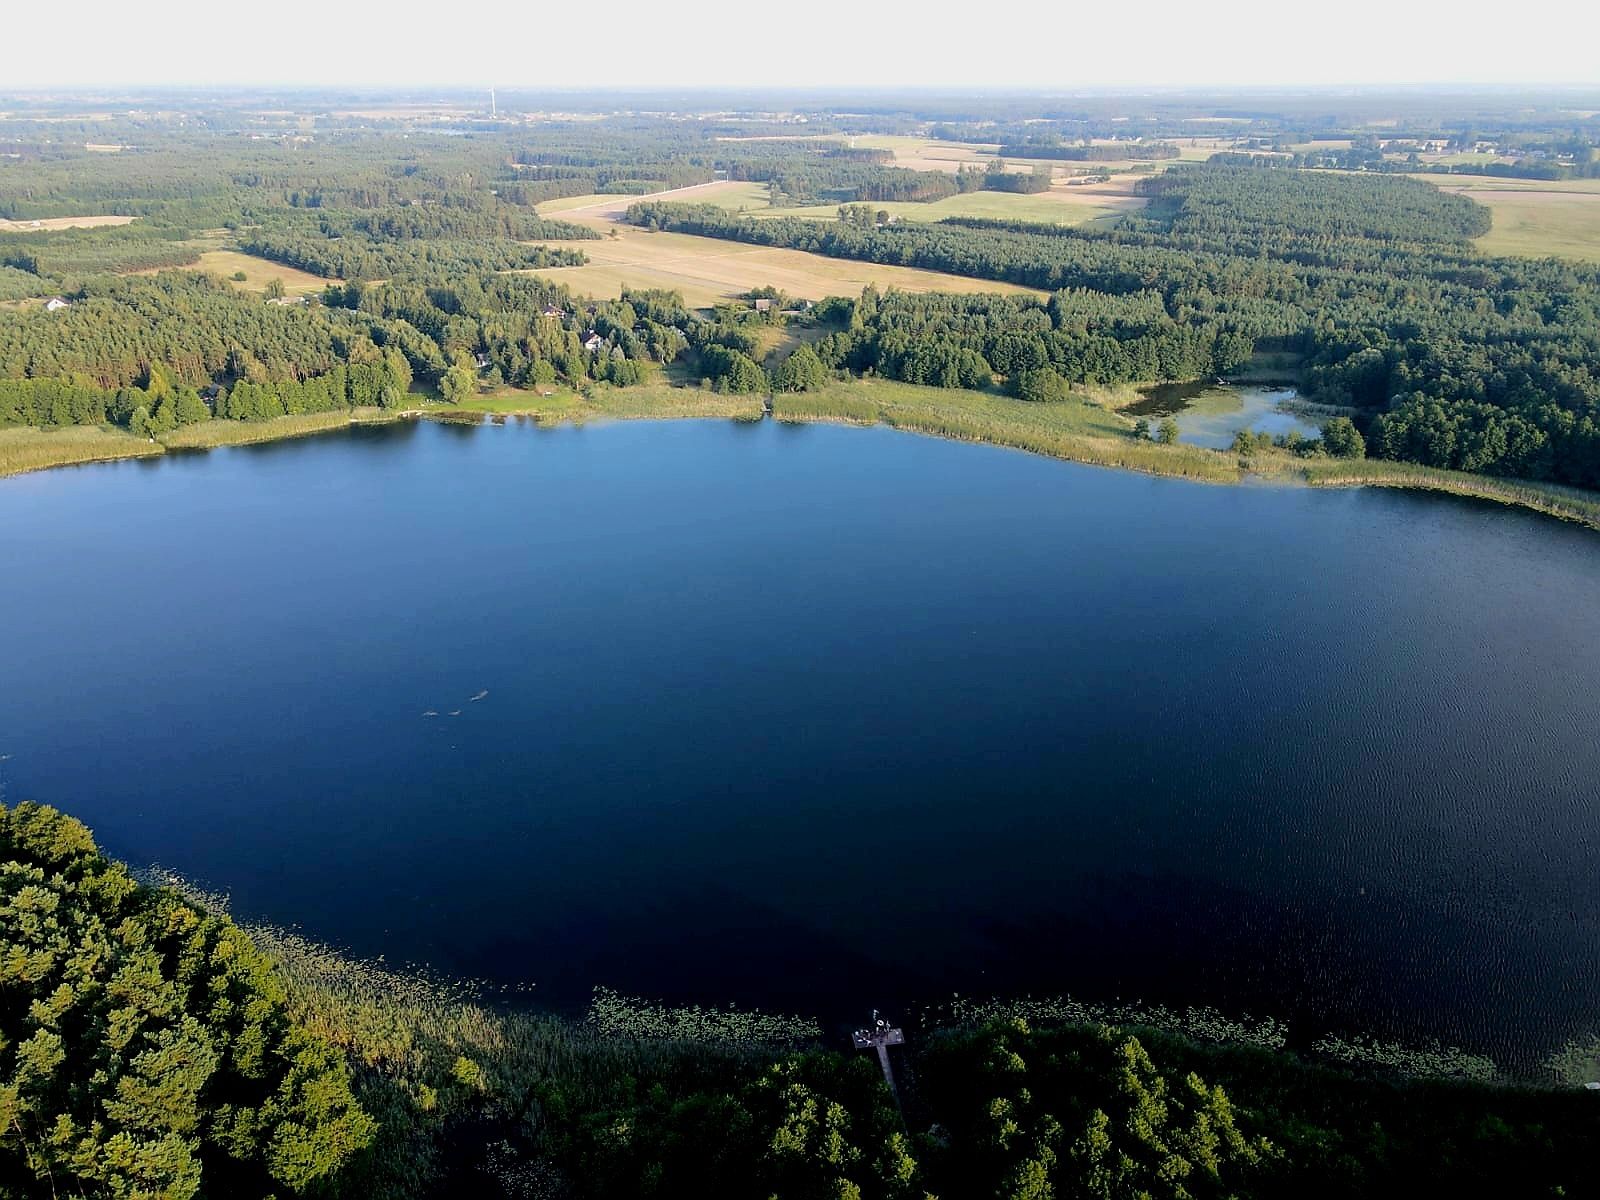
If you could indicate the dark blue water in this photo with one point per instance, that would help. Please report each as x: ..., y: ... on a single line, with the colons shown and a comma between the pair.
x: 824, y: 719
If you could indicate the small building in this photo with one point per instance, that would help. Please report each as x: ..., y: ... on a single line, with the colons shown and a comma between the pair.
x: 763, y: 304
x: 593, y: 342
x: 56, y: 304
x: 550, y: 310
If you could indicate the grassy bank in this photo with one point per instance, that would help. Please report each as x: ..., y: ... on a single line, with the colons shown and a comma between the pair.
x: 659, y: 401
x: 1078, y: 430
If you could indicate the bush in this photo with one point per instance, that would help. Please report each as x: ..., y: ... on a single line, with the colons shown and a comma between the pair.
x: 1342, y: 439
x: 802, y: 371
x: 1039, y: 384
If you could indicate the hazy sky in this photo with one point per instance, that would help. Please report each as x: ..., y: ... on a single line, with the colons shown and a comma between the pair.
x: 940, y: 45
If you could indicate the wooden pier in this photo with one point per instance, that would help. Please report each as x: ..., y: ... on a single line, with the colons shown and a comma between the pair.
x: 879, y: 1036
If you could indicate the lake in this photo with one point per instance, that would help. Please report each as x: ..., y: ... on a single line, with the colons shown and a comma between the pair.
x: 824, y: 719
x: 1209, y: 413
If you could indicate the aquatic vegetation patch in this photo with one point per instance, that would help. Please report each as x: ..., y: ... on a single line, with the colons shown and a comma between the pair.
x: 612, y: 1015
x: 1196, y: 1023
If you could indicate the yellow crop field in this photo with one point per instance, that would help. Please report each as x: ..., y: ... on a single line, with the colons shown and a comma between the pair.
x: 709, y: 270
x: 49, y: 223
x: 1060, y: 205
x: 1535, y: 218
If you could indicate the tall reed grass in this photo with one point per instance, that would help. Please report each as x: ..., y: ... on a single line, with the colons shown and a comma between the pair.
x: 26, y: 449
x: 206, y: 435
x: 1570, y: 504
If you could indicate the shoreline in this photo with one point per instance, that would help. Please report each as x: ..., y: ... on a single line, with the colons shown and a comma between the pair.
x: 1073, y: 431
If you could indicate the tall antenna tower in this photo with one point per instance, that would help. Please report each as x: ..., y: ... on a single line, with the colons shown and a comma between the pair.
x: 494, y: 109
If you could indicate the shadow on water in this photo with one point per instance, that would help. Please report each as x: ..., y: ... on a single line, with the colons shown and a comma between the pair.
x: 1209, y: 413
x: 1164, y: 399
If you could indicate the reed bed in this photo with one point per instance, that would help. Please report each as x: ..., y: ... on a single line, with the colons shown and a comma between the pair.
x: 24, y: 448
x: 1085, y: 429
x: 441, y: 1059
x: 1196, y: 1024
x: 612, y: 1015
x: 662, y: 401
x: 1209, y: 1026
x: 1425, y: 1062
x: 1569, y: 504
x: 1576, y: 1063
x: 207, y: 435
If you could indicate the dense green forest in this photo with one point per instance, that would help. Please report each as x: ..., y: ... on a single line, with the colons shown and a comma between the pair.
x: 154, y: 1048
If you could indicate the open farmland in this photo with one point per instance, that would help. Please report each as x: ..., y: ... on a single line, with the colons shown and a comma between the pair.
x: 51, y: 223
x: 1060, y: 205
x: 1534, y: 218
x: 725, y: 193
x: 708, y: 270
x: 928, y: 154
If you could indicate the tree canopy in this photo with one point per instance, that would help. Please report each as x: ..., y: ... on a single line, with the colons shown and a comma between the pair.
x: 145, y: 1046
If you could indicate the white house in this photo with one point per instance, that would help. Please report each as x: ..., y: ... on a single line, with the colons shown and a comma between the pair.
x: 56, y: 304
x: 593, y: 342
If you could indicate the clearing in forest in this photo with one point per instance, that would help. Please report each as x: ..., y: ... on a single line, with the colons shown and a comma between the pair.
x: 258, y: 271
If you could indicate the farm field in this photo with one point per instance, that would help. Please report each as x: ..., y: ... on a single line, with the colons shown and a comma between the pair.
x: 49, y: 223
x: 1067, y: 206
x: 1536, y: 218
x: 1075, y: 206
x: 709, y: 270
x: 928, y: 154
x: 725, y: 193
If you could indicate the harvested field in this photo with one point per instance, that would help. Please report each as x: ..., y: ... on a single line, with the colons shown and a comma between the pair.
x: 725, y: 192
x: 1535, y: 218
x: 49, y: 223
x: 709, y: 270
x: 1061, y: 205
